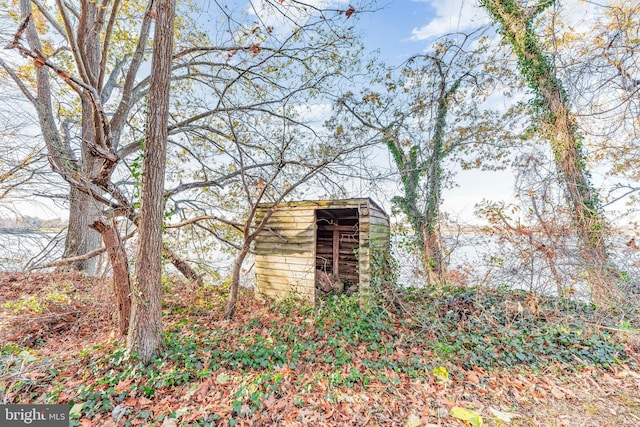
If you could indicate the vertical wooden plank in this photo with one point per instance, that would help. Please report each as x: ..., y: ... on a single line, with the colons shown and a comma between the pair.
x: 336, y: 252
x: 313, y: 294
x: 364, y: 265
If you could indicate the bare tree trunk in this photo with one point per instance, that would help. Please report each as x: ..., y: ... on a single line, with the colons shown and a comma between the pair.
x: 235, y: 283
x: 83, y: 209
x: 62, y: 159
x: 80, y: 238
x: 145, y: 331
x: 120, y: 266
x: 182, y: 266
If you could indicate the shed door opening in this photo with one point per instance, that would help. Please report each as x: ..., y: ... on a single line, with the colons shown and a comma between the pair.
x: 337, y: 241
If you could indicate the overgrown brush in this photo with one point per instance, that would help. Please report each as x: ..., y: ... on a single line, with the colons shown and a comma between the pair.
x: 282, y: 349
x: 502, y: 328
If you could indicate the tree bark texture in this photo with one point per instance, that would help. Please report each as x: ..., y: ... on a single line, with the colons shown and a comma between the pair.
x: 83, y: 210
x: 235, y: 283
x: 80, y: 239
x: 120, y: 266
x: 145, y: 331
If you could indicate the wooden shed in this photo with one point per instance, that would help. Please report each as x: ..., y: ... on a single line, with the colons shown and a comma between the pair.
x: 301, y: 239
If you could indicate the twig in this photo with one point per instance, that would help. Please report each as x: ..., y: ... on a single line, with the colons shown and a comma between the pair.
x: 16, y: 38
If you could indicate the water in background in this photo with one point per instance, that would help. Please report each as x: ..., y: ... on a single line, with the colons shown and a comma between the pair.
x: 532, y: 264
x: 21, y: 249
x: 474, y: 258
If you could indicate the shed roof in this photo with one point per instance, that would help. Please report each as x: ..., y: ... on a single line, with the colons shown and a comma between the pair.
x: 324, y: 204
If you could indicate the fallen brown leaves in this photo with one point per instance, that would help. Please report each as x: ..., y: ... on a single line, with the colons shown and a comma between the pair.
x: 59, y: 311
x: 291, y: 395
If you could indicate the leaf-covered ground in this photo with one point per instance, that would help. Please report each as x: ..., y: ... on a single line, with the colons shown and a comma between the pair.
x: 468, y: 358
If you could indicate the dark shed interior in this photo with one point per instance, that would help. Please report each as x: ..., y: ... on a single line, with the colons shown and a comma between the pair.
x: 337, y: 241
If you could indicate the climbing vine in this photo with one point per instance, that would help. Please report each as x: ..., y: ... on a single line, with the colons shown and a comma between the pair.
x: 551, y: 107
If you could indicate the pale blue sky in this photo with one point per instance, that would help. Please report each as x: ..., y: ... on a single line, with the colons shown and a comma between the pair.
x: 390, y: 28
x: 401, y: 28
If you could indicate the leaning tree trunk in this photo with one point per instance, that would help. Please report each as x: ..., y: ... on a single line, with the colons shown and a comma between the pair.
x: 235, y: 282
x: 591, y: 227
x: 120, y: 266
x: 560, y: 127
x: 181, y: 265
x: 145, y: 331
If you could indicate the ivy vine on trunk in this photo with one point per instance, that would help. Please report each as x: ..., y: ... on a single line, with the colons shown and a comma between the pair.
x: 558, y: 124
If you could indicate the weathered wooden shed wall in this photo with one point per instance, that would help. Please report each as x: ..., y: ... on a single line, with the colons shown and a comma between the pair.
x: 285, y: 252
x: 374, y: 225
x: 301, y: 237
